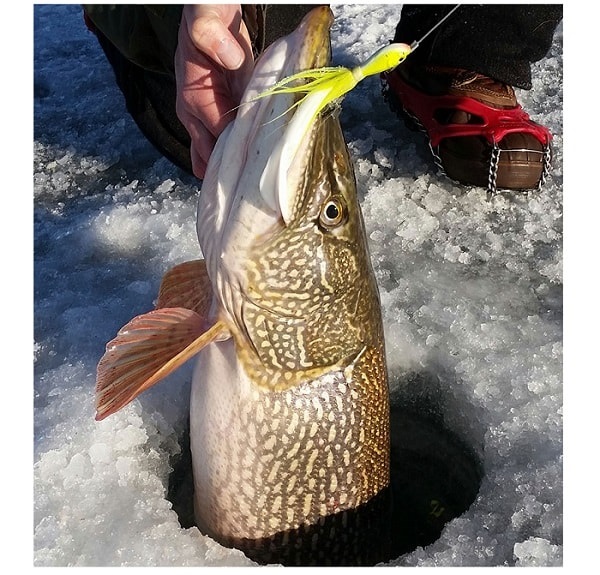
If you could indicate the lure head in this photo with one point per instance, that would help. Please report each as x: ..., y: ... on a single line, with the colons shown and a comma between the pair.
x: 281, y: 229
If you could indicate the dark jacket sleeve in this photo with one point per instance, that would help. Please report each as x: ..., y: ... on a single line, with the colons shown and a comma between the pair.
x: 144, y: 34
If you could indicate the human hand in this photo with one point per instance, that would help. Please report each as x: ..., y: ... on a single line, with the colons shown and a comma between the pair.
x: 213, y: 64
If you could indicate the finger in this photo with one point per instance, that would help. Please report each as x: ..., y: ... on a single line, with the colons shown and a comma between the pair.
x: 207, y: 101
x: 198, y: 164
x: 202, y: 142
x: 200, y: 151
x: 211, y: 35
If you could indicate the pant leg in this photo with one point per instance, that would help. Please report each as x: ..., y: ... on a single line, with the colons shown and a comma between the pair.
x: 497, y: 40
x: 150, y: 100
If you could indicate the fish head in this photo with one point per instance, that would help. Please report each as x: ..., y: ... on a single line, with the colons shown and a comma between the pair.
x: 281, y: 229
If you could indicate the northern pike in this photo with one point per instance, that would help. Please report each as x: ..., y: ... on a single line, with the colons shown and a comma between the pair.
x: 289, y: 411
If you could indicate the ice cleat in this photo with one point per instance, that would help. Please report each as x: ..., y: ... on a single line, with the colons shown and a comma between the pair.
x: 478, y: 133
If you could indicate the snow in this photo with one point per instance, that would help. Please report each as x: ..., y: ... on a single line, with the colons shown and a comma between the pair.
x: 471, y: 289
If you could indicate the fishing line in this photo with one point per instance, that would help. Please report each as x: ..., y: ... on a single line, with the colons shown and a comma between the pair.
x: 416, y: 43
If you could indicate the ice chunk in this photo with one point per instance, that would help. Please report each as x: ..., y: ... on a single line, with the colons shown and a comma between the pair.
x: 537, y: 552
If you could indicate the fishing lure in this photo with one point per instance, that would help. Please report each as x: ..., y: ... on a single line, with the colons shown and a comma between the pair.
x: 327, y: 84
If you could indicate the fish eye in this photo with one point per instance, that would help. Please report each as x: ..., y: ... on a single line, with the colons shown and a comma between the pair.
x: 332, y: 213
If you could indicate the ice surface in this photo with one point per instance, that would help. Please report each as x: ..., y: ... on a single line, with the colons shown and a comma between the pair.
x: 471, y: 290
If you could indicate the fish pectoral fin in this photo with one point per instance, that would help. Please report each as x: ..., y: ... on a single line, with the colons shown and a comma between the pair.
x: 146, y: 350
x: 186, y: 285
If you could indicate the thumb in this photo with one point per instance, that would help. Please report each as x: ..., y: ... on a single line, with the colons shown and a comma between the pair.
x: 208, y: 30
